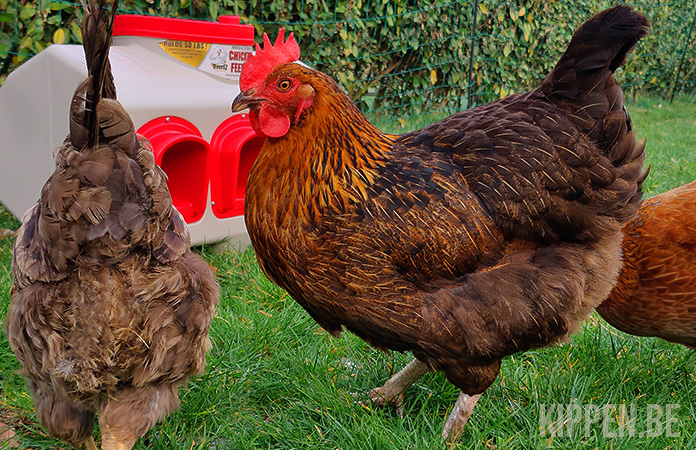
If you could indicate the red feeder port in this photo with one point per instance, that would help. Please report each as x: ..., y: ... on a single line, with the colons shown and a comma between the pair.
x: 183, y: 155
x: 235, y: 147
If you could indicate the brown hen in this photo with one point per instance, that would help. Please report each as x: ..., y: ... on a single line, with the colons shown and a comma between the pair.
x: 655, y: 294
x: 488, y: 233
x: 110, y: 309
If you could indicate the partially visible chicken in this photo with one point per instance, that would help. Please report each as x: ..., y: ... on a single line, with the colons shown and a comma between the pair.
x: 488, y: 233
x: 656, y: 291
x: 110, y: 309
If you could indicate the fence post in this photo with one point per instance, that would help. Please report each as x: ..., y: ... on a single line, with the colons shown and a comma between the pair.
x: 470, y: 76
x: 683, y: 55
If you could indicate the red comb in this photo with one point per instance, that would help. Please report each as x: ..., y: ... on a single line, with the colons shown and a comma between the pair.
x: 257, y: 67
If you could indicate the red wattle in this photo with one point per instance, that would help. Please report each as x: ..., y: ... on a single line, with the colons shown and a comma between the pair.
x: 272, y: 122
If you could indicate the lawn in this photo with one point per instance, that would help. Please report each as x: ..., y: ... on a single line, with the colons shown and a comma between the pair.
x: 275, y: 380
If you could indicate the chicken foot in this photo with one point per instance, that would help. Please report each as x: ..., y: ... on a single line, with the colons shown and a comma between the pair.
x: 112, y: 442
x: 393, y: 390
x: 460, y: 415
x: 114, y: 437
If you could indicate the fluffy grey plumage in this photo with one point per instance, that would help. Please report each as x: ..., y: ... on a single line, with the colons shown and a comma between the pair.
x: 110, y: 309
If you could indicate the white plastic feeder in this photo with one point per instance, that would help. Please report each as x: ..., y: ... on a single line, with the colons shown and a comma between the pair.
x: 177, y: 79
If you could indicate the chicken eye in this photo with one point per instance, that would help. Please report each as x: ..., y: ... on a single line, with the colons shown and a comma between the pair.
x: 284, y: 85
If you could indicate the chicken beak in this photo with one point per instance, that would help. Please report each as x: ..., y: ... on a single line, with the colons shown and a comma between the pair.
x: 244, y: 100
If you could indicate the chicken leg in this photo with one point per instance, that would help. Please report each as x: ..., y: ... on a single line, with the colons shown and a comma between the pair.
x: 393, y: 389
x: 111, y: 442
x: 393, y: 392
x: 460, y: 415
x: 89, y: 444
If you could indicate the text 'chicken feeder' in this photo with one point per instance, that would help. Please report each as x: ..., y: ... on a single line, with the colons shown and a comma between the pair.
x: 177, y: 79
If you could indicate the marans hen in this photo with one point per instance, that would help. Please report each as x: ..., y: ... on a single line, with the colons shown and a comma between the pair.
x: 488, y: 233
x: 110, y: 309
x: 655, y: 294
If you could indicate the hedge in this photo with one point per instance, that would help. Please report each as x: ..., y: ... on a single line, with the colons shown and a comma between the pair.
x: 407, y: 58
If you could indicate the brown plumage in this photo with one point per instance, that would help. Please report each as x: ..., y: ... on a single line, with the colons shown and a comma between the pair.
x: 110, y: 309
x: 655, y: 294
x: 488, y: 233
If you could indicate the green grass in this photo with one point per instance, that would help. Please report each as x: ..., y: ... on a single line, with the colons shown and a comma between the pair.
x: 275, y: 380
x: 670, y: 131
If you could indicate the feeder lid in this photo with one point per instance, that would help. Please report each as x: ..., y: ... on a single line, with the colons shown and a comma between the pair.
x: 227, y: 31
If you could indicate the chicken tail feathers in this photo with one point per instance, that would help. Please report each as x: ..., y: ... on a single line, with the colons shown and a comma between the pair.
x: 97, y: 27
x: 583, y: 86
x: 597, y: 49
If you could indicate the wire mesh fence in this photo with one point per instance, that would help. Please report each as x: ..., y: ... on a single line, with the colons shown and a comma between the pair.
x: 401, y: 60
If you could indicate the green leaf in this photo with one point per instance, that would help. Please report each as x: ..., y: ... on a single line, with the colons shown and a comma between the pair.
x: 76, y: 30
x: 26, y: 42
x: 40, y: 46
x: 58, y: 6
x: 369, y: 101
x: 214, y: 10
x: 27, y: 11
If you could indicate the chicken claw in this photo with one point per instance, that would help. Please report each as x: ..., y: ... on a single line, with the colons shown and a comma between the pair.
x: 393, y: 390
